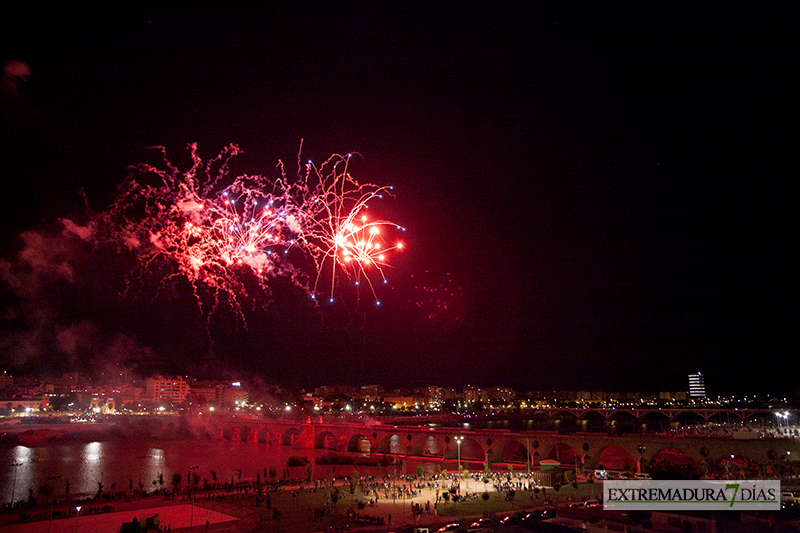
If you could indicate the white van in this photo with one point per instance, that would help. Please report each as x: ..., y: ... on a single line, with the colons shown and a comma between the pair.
x: 601, y: 474
x: 642, y: 475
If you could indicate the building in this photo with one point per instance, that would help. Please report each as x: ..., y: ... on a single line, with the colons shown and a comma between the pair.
x: 673, y: 396
x: 232, y: 394
x: 372, y: 392
x: 24, y: 405
x: 219, y: 393
x: 474, y: 394
x: 697, y: 385
x: 159, y: 388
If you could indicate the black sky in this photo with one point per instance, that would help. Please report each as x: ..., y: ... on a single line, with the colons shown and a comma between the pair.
x: 607, y: 188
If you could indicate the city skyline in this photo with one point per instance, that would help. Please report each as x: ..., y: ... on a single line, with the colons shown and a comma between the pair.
x: 593, y: 195
x: 30, y: 389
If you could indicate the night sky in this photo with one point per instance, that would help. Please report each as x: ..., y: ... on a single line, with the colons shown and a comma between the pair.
x: 596, y: 198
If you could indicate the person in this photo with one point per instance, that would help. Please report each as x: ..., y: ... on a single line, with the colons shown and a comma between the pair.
x: 390, y: 519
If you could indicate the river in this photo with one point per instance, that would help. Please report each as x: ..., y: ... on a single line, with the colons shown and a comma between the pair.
x: 119, y: 464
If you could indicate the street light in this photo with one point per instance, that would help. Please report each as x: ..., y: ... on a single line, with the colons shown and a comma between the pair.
x: 77, y: 515
x: 528, y: 460
x: 458, y: 442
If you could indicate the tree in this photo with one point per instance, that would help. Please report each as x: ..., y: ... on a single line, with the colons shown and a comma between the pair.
x: 46, y: 490
x: 176, y: 481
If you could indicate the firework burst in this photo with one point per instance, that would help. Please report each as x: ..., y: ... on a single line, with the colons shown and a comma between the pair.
x: 210, y: 228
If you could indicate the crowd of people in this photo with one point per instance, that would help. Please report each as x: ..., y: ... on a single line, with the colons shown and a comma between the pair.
x: 732, y: 430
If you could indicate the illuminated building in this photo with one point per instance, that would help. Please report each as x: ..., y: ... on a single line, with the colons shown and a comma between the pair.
x: 158, y: 388
x: 697, y: 385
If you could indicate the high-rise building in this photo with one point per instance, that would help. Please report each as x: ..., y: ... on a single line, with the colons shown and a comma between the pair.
x: 697, y: 385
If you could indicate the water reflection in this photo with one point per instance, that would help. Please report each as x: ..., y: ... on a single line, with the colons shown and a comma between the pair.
x: 18, y: 470
x: 93, y: 464
x: 91, y: 452
x: 77, y: 469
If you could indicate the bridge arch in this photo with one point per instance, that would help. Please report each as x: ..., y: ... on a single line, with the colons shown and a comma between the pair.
x: 290, y: 436
x: 428, y: 446
x: 227, y: 431
x: 326, y: 440
x: 565, y: 414
x: 391, y: 443
x: 592, y: 417
x: 688, y: 418
x: 673, y: 463
x: 659, y: 417
x: 359, y: 443
x: 563, y: 453
x: 245, y: 433
x: 511, y: 451
x: 471, y: 450
x: 621, y: 415
x: 615, y: 457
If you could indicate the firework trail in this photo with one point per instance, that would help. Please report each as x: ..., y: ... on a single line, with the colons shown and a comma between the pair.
x: 337, y: 232
x: 215, y: 231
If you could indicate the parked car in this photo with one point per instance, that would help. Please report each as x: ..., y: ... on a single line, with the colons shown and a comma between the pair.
x: 483, y: 522
x: 514, y: 519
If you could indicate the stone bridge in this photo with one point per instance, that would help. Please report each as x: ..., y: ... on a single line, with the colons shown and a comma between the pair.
x: 475, y: 447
